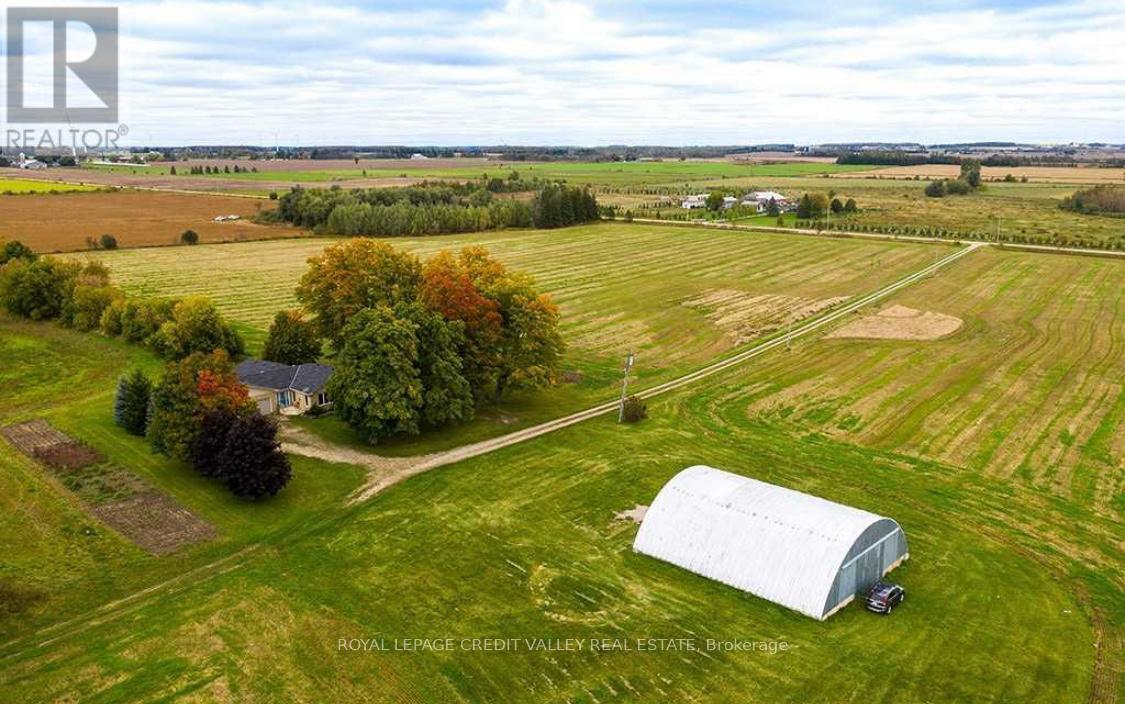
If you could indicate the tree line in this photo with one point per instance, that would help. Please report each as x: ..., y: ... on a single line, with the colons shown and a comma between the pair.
x: 878, y: 157
x: 428, y: 209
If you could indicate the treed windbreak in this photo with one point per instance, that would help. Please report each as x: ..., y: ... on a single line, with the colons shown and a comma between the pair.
x: 435, y: 208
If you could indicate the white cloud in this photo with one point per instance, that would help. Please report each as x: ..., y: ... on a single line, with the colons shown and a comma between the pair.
x: 566, y: 71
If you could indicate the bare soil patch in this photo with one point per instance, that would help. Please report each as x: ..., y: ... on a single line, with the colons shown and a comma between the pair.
x: 62, y: 222
x: 900, y: 323
x: 33, y: 436
x: 744, y: 316
x: 154, y: 522
x: 122, y: 500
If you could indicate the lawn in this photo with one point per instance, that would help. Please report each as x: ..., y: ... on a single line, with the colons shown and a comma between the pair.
x: 60, y: 558
x: 676, y: 296
x: 522, y: 544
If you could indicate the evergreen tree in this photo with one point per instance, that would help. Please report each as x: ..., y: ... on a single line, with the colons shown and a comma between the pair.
x: 131, y: 405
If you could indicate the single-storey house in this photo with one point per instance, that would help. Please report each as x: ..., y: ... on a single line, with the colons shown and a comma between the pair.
x: 761, y: 200
x: 285, y: 388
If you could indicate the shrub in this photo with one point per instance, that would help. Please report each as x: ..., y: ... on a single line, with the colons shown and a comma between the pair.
x: 935, y: 189
x: 107, y: 242
x: 635, y: 410
x: 16, y: 250
x: 189, y: 237
x: 958, y: 187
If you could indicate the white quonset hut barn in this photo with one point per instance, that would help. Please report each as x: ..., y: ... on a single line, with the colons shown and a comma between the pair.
x: 803, y: 552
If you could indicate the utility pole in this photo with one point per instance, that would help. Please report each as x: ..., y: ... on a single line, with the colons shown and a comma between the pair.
x: 625, y: 386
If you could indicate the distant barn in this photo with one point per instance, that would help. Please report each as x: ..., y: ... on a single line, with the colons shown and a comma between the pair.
x: 803, y: 552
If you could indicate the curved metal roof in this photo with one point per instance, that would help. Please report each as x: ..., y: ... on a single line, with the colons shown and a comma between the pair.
x: 773, y: 542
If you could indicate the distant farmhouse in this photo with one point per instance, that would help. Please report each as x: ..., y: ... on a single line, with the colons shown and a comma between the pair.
x: 693, y: 202
x: 291, y: 389
x: 759, y: 200
x: 26, y: 162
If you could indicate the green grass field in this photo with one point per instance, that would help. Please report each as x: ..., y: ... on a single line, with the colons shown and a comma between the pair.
x: 19, y: 186
x: 677, y: 296
x: 603, y: 173
x: 1014, y: 576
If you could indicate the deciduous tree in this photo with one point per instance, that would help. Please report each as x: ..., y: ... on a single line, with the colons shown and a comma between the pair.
x: 37, y: 289
x: 251, y: 461
x: 196, y: 326
x: 375, y: 386
x: 353, y: 275
x: 292, y: 339
x: 187, y: 389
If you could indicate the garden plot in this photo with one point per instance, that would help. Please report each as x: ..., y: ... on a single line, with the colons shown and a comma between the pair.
x: 120, y: 499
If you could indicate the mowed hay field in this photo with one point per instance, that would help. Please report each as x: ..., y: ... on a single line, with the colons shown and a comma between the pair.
x: 522, y: 545
x: 1030, y: 390
x: 678, y: 296
x: 62, y: 222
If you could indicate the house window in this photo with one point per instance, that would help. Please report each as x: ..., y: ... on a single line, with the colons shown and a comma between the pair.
x: 284, y: 399
x: 321, y: 398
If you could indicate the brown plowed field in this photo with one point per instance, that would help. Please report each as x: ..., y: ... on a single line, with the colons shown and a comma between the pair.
x: 62, y: 222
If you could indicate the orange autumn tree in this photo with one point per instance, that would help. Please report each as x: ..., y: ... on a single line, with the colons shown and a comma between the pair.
x: 355, y: 275
x: 186, y: 391
x: 448, y: 290
x: 511, y: 330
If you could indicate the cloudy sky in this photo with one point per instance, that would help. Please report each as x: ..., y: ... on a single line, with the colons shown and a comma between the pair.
x: 599, y: 72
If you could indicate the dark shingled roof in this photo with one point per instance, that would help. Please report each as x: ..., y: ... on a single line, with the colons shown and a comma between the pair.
x: 306, y: 378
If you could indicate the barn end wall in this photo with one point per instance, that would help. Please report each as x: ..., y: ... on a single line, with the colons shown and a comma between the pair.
x: 877, y: 551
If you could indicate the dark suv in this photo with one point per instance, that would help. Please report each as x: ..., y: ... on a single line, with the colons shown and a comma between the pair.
x: 883, y: 597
